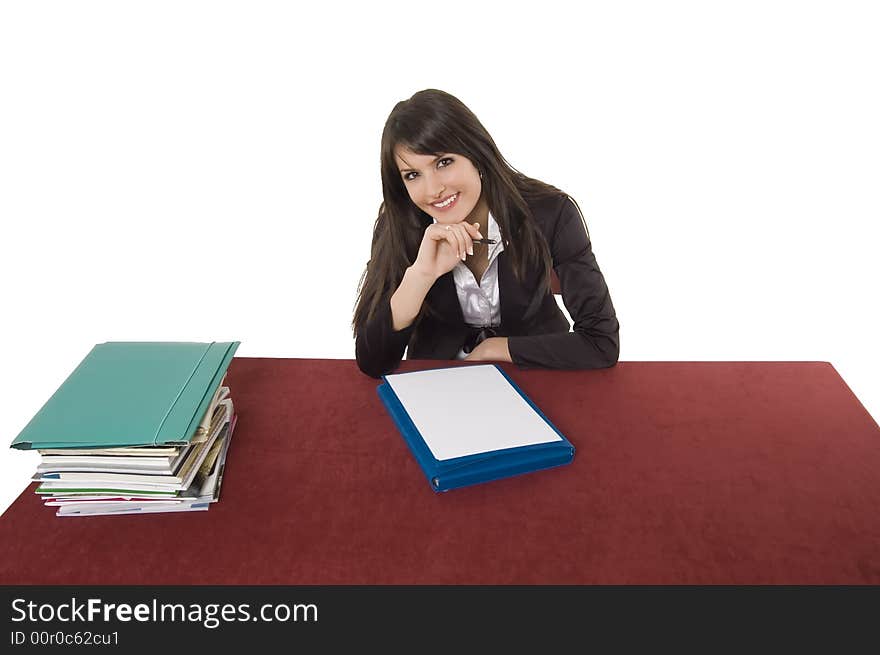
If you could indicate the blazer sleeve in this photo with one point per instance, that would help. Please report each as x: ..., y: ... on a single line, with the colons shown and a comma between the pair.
x: 593, y: 341
x: 378, y: 347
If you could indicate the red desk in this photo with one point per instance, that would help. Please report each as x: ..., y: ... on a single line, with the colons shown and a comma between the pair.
x: 685, y: 473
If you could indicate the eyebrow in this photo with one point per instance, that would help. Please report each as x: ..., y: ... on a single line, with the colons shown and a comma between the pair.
x: 415, y: 170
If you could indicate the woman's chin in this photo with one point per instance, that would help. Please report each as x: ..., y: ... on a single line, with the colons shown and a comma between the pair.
x: 454, y: 218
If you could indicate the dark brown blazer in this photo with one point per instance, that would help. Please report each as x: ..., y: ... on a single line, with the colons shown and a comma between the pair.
x: 538, y: 332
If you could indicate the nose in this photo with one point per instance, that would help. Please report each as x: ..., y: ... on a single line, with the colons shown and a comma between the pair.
x: 436, y: 187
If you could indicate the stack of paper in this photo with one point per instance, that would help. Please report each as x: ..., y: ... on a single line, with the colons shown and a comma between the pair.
x: 142, y: 478
x: 136, y: 428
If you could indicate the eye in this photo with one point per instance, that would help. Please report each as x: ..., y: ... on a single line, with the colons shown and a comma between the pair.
x: 444, y: 162
x: 408, y: 177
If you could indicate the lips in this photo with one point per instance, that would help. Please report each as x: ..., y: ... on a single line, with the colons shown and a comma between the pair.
x: 446, y: 203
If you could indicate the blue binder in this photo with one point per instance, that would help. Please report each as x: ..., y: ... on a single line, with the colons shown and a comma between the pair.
x: 479, y: 467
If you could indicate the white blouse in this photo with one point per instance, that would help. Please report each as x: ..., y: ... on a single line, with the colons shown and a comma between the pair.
x: 480, y: 303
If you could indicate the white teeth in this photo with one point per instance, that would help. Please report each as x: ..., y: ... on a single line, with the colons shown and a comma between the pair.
x: 446, y: 202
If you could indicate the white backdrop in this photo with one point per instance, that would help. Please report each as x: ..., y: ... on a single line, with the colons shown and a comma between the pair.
x: 209, y: 170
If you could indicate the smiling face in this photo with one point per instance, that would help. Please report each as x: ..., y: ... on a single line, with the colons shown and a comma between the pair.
x: 446, y: 186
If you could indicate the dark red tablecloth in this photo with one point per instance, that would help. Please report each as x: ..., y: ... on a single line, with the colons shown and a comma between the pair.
x: 685, y: 473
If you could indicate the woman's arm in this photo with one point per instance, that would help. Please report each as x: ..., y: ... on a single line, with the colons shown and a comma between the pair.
x: 594, y: 341
x: 407, y: 300
x: 493, y: 349
x: 380, y: 344
x: 378, y: 347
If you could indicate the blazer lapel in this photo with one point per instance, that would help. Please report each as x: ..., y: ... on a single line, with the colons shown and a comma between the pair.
x: 443, y: 298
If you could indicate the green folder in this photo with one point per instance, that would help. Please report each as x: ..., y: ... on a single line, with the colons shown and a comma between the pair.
x: 131, y: 394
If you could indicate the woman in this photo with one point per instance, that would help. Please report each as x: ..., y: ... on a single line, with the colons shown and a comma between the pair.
x: 433, y: 285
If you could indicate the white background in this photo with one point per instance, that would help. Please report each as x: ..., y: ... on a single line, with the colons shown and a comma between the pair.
x: 210, y: 171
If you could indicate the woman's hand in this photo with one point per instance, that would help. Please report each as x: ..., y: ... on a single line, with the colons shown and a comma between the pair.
x: 493, y: 349
x: 443, y: 246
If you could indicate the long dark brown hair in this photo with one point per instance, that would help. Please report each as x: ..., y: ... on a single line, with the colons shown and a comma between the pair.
x: 432, y: 122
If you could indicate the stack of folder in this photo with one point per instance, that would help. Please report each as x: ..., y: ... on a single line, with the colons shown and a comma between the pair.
x: 138, y: 427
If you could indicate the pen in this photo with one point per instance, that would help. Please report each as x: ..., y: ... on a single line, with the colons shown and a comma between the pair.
x: 485, y: 241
